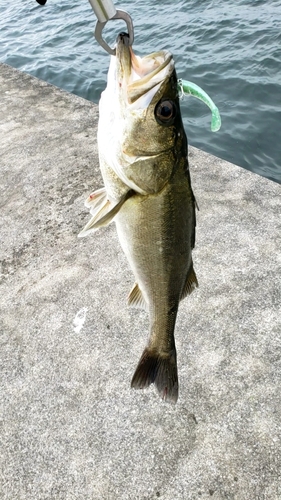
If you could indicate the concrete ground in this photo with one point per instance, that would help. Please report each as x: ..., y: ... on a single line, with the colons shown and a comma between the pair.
x: 71, y: 427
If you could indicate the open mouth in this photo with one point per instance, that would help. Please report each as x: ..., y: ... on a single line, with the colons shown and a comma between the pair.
x: 141, y: 74
x: 149, y: 66
x: 147, y: 73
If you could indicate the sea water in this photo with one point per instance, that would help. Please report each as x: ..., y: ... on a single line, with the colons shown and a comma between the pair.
x: 230, y: 49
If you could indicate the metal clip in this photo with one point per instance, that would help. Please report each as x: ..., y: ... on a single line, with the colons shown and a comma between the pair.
x: 120, y: 14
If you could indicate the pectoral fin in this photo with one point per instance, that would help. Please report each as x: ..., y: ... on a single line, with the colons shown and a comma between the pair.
x: 104, y: 212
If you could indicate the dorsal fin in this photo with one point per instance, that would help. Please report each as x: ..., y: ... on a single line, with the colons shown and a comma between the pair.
x: 135, y: 298
x: 190, y: 283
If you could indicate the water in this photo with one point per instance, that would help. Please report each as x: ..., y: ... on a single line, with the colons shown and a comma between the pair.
x: 231, y: 49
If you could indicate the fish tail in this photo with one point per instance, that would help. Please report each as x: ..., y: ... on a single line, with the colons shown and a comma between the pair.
x: 159, y: 369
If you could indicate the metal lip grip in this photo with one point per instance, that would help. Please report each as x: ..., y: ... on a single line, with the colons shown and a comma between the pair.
x: 120, y: 14
x: 105, y: 11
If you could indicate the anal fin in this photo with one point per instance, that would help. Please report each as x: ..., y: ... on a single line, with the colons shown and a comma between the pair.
x: 135, y: 298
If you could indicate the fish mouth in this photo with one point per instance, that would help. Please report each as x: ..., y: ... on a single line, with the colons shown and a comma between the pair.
x: 139, y: 75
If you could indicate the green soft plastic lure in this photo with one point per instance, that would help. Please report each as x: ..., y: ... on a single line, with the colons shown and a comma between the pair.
x: 189, y: 88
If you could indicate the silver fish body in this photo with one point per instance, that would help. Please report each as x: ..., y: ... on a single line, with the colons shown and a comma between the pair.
x: 143, y: 160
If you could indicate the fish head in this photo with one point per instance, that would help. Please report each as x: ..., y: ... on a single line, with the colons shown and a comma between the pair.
x: 141, y: 135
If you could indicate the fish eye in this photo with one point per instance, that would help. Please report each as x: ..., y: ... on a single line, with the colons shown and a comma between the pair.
x: 165, y: 112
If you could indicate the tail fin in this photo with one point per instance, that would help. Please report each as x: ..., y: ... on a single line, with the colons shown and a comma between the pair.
x: 160, y: 369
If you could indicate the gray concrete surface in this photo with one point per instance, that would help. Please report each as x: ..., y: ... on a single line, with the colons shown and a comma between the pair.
x: 71, y: 427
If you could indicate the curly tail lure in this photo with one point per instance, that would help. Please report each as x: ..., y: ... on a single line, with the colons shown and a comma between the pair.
x: 189, y: 88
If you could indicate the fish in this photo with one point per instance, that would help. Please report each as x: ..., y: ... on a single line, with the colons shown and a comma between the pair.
x: 147, y: 193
